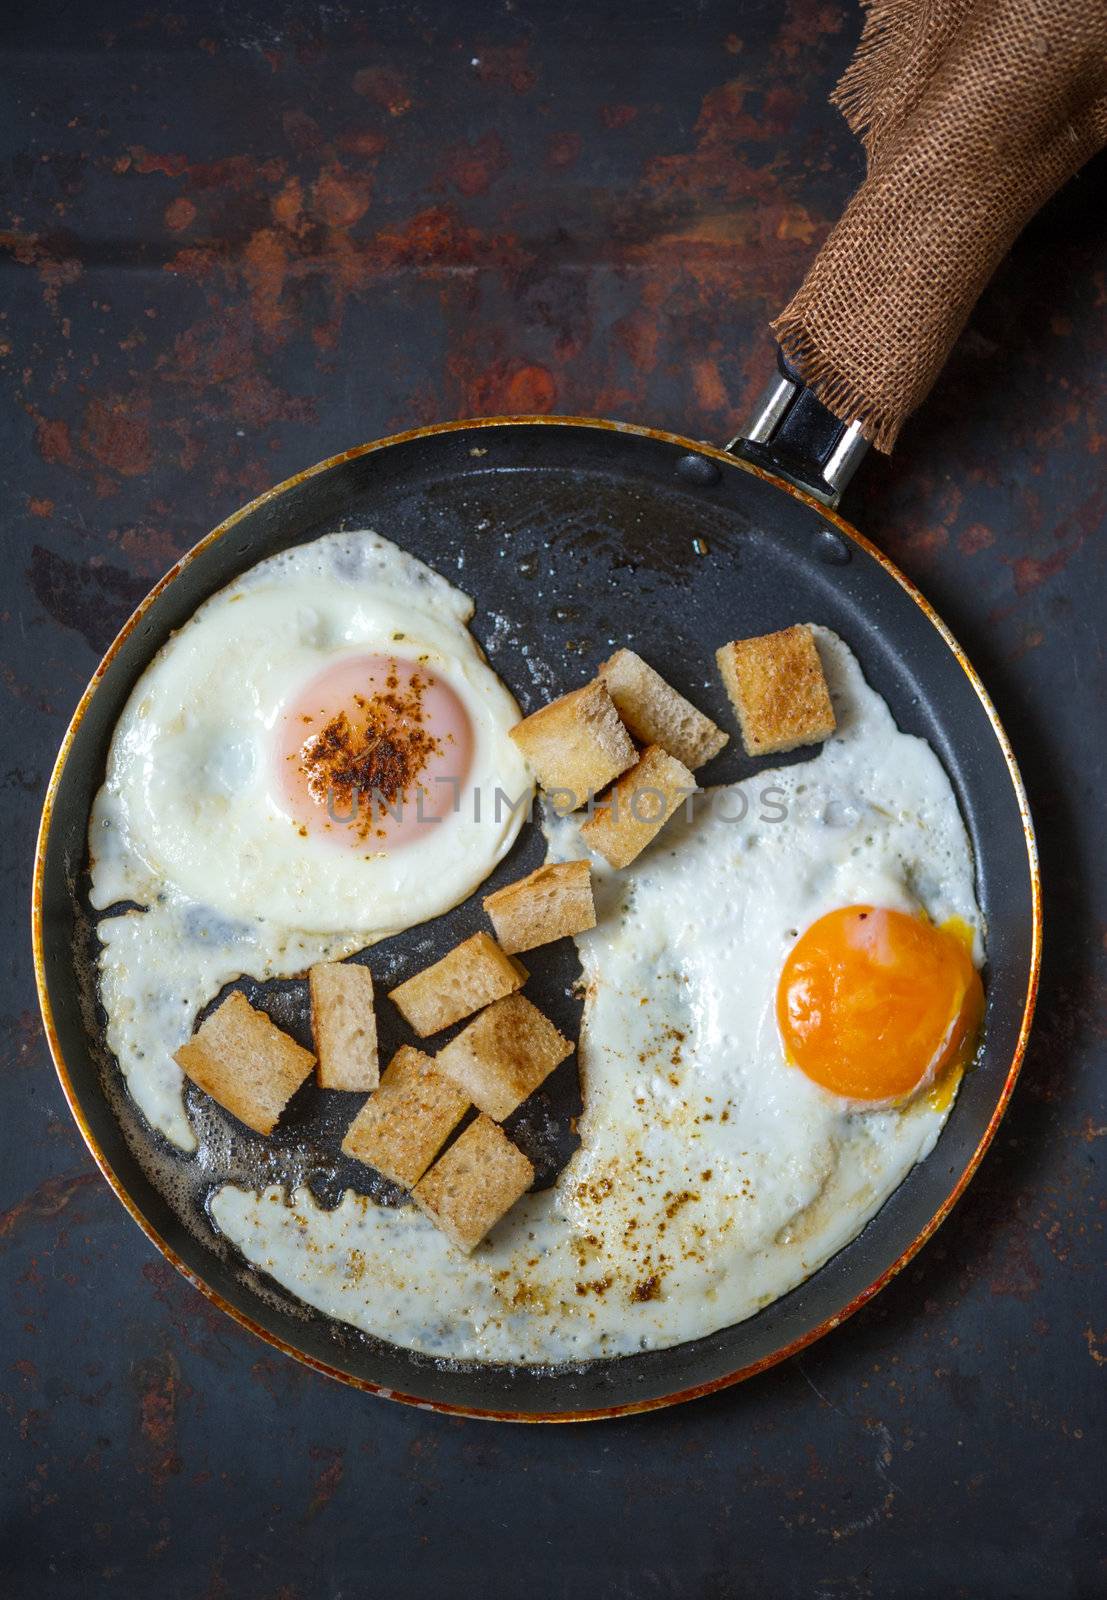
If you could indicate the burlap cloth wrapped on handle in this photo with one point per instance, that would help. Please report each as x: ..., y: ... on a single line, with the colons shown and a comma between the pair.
x: 972, y: 113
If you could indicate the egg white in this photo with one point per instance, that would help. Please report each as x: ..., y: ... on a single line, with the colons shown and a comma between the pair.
x: 712, y: 1176
x: 189, y: 823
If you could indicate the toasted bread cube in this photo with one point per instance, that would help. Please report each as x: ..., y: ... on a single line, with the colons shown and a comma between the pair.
x: 344, y: 1025
x: 402, y: 1127
x: 638, y: 807
x: 576, y: 745
x: 244, y: 1061
x: 656, y: 714
x: 470, y: 976
x: 778, y: 690
x: 503, y: 1055
x: 476, y: 1182
x: 553, y: 902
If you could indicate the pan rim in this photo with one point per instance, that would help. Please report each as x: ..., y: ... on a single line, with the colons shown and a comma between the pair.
x: 365, y: 1385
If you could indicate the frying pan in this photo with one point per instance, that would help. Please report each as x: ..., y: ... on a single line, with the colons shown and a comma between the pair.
x: 572, y: 534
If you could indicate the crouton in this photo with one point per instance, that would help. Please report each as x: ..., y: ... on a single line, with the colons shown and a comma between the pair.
x: 344, y: 1026
x: 656, y: 714
x: 553, y: 902
x: 503, y: 1055
x: 469, y: 977
x: 638, y: 807
x: 476, y: 1182
x: 245, y: 1063
x: 402, y: 1127
x: 576, y: 745
x: 778, y: 690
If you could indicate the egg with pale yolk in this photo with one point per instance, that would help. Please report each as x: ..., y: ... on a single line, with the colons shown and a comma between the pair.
x: 318, y: 758
x: 374, y: 751
x: 322, y: 747
x: 873, y: 1003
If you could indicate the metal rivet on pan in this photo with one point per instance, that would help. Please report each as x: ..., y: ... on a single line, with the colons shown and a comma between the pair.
x: 831, y: 548
x: 698, y: 469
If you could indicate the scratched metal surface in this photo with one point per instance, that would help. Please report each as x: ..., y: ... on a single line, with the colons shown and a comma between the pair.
x: 236, y: 239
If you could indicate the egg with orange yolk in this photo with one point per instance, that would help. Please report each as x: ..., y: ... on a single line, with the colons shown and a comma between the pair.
x: 874, y: 1003
x: 713, y: 1175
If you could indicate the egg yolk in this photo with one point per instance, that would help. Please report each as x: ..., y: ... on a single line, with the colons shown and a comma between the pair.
x: 372, y: 752
x: 873, y: 1004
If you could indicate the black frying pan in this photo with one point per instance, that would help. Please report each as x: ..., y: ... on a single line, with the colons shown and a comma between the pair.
x: 583, y: 534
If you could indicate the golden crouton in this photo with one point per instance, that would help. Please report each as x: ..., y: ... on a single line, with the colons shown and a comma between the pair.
x: 477, y: 1181
x: 344, y: 1026
x: 779, y: 693
x: 552, y: 903
x: 245, y: 1063
x: 656, y: 714
x: 638, y: 807
x: 576, y: 746
x: 503, y: 1055
x: 400, y: 1129
x: 472, y: 975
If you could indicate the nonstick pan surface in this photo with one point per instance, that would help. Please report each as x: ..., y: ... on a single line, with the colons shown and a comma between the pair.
x: 573, y: 537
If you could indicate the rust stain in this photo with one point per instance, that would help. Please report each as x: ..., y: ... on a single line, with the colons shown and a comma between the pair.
x: 21, y: 1033
x: 22, y: 247
x: 194, y: 1320
x: 117, y: 436
x: 711, y: 391
x: 327, y: 1479
x: 563, y: 150
x: 180, y: 214
x: 1031, y: 640
x: 473, y: 168
x: 40, y: 507
x: 148, y: 161
x: 975, y: 538
x: 302, y: 131
x: 1030, y: 571
x: 362, y: 142
x: 47, y: 1200
x: 150, y: 548
x: 502, y: 384
x: 234, y: 172
x: 264, y: 267
x: 158, y: 1379
x: 52, y: 441
x: 617, y: 116
x: 506, y: 66
x: 1018, y: 1276
x: 288, y: 204
x: 386, y: 88
x: 54, y: 274
x: 340, y: 198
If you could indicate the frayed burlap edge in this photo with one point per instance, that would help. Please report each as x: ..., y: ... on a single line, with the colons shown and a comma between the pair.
x: 903, y: 46
x: 838, y: 392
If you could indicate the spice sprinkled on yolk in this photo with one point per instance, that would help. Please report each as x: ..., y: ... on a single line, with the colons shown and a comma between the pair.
x: 372, y: 751
x: 873, y: 1004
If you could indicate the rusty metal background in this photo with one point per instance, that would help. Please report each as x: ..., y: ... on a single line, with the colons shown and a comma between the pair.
x: 235, y: 240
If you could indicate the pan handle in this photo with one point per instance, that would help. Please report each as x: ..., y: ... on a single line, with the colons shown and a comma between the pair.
x: 794, y: 436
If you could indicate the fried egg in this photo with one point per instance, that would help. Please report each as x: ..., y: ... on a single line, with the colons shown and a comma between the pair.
x: 724, y: 1155
x: 317, y: 759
